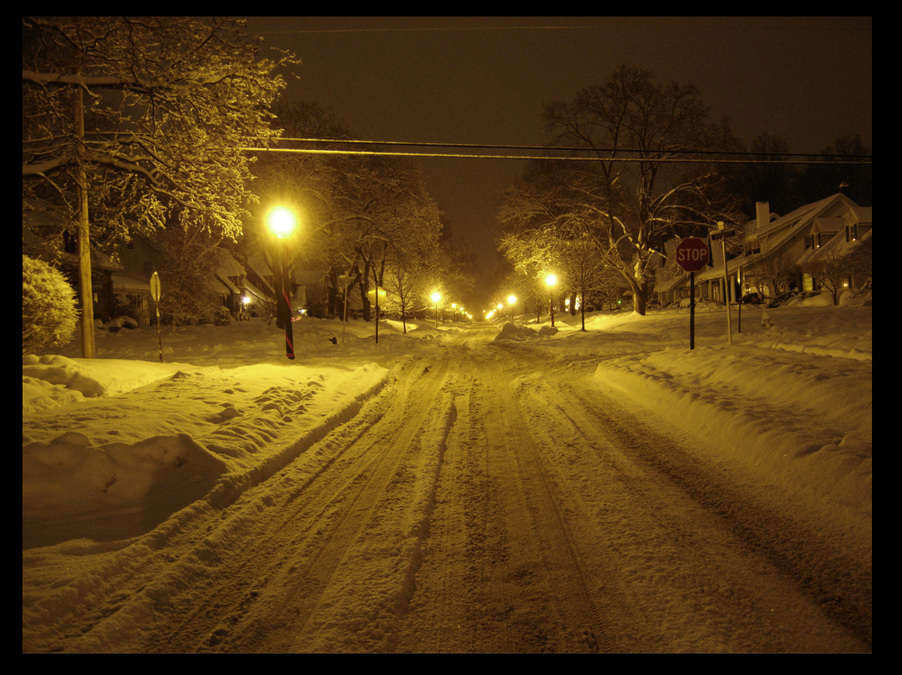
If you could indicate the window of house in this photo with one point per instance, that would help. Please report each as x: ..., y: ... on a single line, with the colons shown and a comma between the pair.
x: 70, y: 242
x: 824, y: 237
x: 852, y: 232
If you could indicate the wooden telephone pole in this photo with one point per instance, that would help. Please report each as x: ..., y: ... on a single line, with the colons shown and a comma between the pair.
x: 86, y: 292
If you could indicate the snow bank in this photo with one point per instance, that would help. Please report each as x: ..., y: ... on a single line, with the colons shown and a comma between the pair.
x: 513, y: 333
x: 148, y: 480
x: 52, y: 380
x: 112, y: 447
x: 808, y: 419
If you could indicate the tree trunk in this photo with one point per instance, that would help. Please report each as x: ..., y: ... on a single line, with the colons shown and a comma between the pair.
x: 640, y: 295
x: 363, y: 284
x: 333, y: 298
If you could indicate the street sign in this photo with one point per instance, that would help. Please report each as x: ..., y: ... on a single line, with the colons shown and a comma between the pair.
x: 155, y: 294
x: 692, y: 254
x: 155, y: 287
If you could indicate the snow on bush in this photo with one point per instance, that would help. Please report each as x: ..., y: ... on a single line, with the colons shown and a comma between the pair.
x: 49, y: 314
x: 222, y: 316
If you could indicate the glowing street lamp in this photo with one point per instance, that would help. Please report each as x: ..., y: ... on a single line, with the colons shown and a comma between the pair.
x: 511, y: 300
x: 551, y: 280
x: 435, y: 298
x: 282, y: 222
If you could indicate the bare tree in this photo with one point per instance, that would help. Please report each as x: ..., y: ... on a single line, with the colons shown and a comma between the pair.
x: 776, y: 273
x: 833, y: 269
x: 761, y: 180
x: 640, y: 187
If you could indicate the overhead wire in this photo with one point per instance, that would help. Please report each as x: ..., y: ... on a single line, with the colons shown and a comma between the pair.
x: 675, y: 155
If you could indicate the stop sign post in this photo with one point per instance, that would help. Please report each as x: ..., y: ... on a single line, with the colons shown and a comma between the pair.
x: 692, y: 255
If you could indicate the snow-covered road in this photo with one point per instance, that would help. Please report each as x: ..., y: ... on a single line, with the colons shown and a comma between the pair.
x: 471, y: 502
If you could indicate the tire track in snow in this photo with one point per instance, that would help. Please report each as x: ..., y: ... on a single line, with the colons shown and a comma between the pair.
x: 794, y: 555
x: 461, y: 603
x: 207, y: 599
x: 328, y: 513
x: 377, y: 548
x: 562, y: 615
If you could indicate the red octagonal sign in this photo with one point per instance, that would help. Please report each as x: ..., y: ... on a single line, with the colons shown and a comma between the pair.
x: 692, y: 254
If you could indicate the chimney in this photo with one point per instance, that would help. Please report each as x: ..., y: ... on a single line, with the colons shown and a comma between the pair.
x: 762, y: 215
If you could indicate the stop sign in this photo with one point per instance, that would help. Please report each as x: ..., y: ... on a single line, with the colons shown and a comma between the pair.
x: 692, y: 254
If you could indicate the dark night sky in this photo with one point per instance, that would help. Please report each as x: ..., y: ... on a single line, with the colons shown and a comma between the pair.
x: 486, y: 80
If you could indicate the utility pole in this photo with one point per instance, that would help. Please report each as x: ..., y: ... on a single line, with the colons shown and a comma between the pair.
x: 84, y: 241
x: 722, y: 233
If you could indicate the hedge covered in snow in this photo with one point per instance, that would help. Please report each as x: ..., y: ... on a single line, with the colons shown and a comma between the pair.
x: 49, y: 312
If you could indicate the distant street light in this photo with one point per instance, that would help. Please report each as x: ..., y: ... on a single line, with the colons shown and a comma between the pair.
x: 511, y: 300
x: 282, y: 222
x: 551, y: 280
x: 435, y: 298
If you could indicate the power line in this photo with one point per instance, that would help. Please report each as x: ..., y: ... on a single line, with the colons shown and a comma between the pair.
x: 704, y: 156
x: 414, y: 29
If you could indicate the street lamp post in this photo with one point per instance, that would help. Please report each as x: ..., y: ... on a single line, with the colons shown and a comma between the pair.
x: 551, y: 280
x: 281, y: 222
x: 511, y: 300
x: 435, y: 298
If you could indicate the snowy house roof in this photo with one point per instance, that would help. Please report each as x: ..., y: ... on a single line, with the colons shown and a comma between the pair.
x: 833, y: 223
x: 257, y: 263
x: 254, y: 292
x: 714, y: 270
x: 226, y: 265
x: 860, y: 214
x: 782, y: 229
x: 838, y: 246
x: 123, y: 283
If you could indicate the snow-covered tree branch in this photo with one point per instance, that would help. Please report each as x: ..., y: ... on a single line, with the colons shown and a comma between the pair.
x: 168, y: 102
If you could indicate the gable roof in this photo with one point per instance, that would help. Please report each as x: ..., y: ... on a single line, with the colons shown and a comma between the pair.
x: 860, y: 214
x: 787, y: 226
